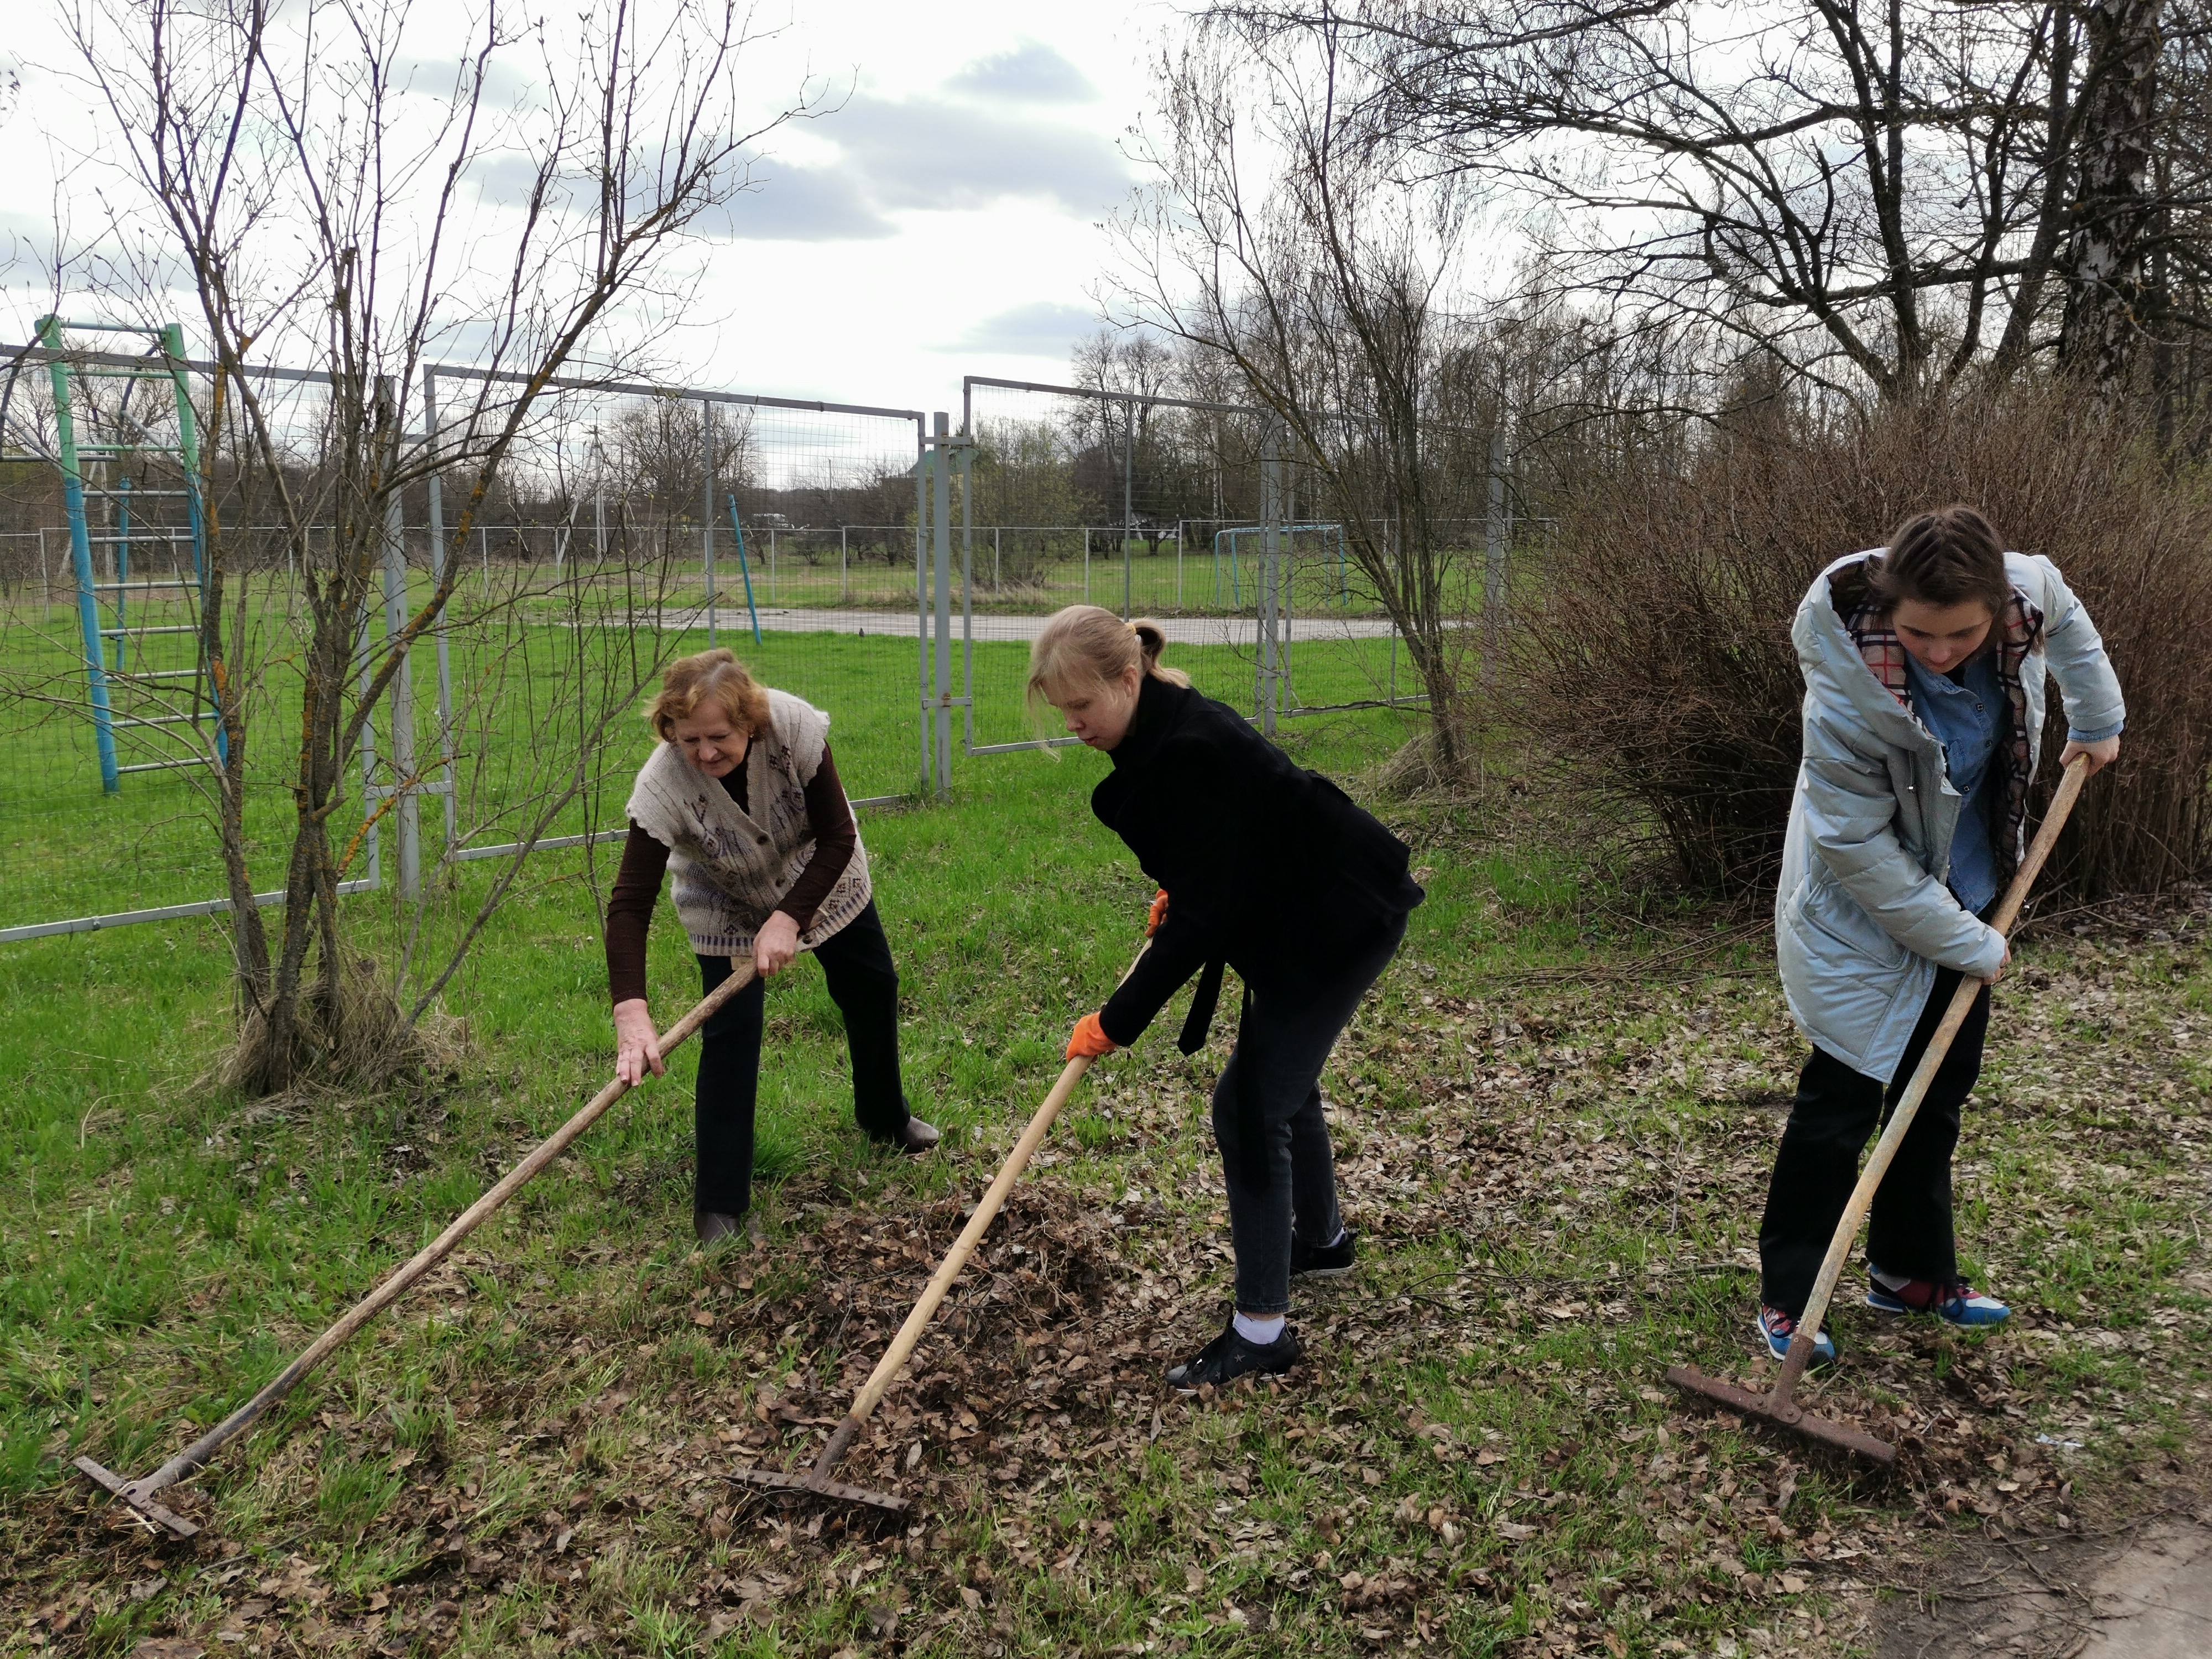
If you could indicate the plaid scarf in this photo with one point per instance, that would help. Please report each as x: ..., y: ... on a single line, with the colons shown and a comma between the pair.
x: 1884, y: 654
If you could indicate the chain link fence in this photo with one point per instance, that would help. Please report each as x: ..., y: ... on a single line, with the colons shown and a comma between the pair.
x: 632, y: 524
x: 890, y: 568
x: 1184, y: 511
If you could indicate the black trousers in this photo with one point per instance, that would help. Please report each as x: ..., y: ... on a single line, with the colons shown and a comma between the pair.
x: 1276, y: 1161
x: 1836, y: 1112
x: 856, y: 960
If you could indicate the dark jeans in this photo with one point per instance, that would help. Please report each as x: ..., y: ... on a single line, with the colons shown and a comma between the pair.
x: 856, y: 960
x: 1275, y: 1157
x: 1836, y: 1113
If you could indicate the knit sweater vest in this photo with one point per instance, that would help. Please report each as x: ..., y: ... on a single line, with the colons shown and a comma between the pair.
x: 733, y: 867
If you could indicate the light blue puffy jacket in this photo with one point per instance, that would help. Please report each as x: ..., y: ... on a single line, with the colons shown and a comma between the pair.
x: 1863, y: 917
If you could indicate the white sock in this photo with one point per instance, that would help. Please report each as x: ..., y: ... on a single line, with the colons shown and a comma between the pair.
x: 1259, y: 1332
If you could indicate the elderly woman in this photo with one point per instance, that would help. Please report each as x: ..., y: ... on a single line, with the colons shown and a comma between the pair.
x: 742, y: 799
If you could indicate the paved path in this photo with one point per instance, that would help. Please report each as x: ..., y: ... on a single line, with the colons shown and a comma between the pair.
x: 2147, y: 1595
x: 1242, y: 631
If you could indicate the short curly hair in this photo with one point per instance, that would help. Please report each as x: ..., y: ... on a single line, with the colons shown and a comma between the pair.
x: 714, y: 677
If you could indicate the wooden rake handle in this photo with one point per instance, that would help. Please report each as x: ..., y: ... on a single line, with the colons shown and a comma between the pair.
x: 1931, y: 1059
x: 198, y: 1454
x: 940, y: 1283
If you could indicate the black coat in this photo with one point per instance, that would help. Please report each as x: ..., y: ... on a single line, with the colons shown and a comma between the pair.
x: 1268, y: 867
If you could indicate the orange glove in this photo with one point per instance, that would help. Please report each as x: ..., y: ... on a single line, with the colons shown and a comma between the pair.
x: 1158, y: 914
x: 1089, y: 1039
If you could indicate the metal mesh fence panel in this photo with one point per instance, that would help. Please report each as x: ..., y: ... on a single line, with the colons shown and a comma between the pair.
x: 1186, y: 511
x: 1075, y: 497
x: 628, y: 526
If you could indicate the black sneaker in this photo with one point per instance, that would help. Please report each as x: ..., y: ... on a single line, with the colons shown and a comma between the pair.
x: 1324, y: 1260
x: 1229, y: 1357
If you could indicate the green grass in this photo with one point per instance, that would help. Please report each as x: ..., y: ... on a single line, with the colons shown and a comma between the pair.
x: 71, y: 850
x: 806, y: 572
x: 1552, y: 1132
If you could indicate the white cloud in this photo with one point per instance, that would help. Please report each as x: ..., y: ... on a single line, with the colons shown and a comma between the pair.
x: 942, y: 215
x: 1030, y: 73
x: 1042, y: 328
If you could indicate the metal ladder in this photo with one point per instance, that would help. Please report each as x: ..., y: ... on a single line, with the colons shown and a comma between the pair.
x: 139, y: 682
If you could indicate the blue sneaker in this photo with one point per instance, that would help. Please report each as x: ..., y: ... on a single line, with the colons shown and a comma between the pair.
x: 1956, y: 1303
x: 1777, y: 1330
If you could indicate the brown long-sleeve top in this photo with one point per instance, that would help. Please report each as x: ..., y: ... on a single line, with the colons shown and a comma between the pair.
x: 645, y: 866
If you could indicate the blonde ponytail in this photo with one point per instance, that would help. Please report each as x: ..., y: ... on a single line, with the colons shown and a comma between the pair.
x: 1083, y: 646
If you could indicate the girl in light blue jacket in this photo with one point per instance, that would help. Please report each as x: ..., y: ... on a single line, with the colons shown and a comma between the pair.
x: 1923, y: 664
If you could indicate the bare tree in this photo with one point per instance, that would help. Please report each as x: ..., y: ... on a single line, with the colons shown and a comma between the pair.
x: 325, y: 196
x: 2107, y: 305
x: 1274, y: 238
x: 1881, y: 197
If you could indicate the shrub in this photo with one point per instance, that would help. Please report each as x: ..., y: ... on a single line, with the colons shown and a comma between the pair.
x: 1660, y: 670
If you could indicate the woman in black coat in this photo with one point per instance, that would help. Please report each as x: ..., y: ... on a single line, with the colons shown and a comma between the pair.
x: 1266, y: 868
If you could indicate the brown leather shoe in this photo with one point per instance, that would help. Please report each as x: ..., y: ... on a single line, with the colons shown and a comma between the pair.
x: 917, y: 1137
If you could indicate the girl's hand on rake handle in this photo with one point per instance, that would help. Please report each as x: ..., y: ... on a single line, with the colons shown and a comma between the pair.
x: 2101, y: 753
x: 1089, y: 1039
x: 637, y: 1045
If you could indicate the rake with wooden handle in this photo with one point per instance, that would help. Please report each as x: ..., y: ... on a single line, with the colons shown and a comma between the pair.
x: 816, y: 1482
x: 140, y: 1495
x: 1779, y: 1405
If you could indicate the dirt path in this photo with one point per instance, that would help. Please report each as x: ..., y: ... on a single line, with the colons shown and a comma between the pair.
x: 2144, y: 1593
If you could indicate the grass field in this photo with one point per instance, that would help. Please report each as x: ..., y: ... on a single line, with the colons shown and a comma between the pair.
x: 67, y: 849
x: 1552, y: 1119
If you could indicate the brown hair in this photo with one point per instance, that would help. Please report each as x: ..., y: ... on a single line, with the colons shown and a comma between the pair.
x: 1949, y: 556
x: 1083, y: 646
x: 712, y: 677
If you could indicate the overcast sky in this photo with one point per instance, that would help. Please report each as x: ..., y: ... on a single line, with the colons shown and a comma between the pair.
x: 944, y: 220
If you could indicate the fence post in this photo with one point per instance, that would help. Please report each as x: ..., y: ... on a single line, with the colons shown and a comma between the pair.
x: 438, y: 575
x: 707, y: 514
x: 941, y: 537
x: 844, y: 581
x: 1494, y: 543
x: 403, y: 682
x: 1270, y: 528
x: 1128, y: 494
x: 922, y: 453
x: 967, y: 595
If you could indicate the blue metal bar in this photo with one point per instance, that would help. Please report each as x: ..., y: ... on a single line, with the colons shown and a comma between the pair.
x: 88, y: 601
x: 744, y: 569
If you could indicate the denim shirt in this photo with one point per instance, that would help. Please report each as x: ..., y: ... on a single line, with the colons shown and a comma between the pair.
x: 1966, y: 716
